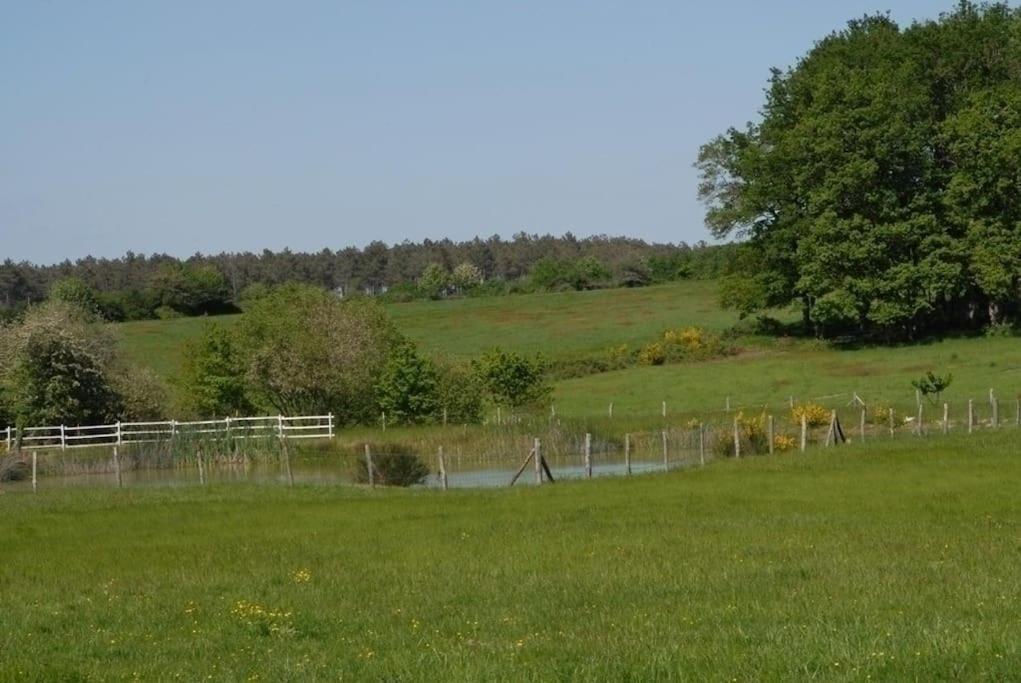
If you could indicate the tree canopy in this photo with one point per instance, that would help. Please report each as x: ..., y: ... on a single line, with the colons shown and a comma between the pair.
x: 881, y: 190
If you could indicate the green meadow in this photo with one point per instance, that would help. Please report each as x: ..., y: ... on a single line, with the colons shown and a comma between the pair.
x: 884, y: 561
x: 766, y: 371
x: 556, y: 325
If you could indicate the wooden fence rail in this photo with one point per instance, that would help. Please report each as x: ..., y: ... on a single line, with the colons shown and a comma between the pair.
x: 64, y: 437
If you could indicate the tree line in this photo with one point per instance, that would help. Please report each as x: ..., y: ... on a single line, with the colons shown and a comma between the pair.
x: 137, y: 286
x: 881, y: 190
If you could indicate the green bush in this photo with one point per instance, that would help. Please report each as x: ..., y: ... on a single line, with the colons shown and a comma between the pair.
x: 390, y: 467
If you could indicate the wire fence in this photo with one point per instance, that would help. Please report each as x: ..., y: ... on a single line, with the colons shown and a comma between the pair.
x: 501, y: 453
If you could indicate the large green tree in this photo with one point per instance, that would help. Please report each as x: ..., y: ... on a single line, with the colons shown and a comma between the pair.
x: 304, y: 351
x: 59, y: 365
x: 880, y: 189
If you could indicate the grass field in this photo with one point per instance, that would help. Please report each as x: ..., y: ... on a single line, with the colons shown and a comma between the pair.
x: 574, y: 323
x: 557, y: 325
x: 893, y: 561
x: 829, y: 376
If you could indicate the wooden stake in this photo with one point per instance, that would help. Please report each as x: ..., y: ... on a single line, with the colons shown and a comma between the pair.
x: 610, y: 412
x: 737, y: 439
x: 287, y: 463
x: 920, y: 431
x: 627, y: 454
x: 382, y: 418
x: 996, y: 411
x: 728, y: 404
x: 588, y: 456
x: 861, y: 425
x: 769, y: 433
x: 444, y: 416
x: 891, y: 421
x: 117, y: 467
x: 701, y: 444
x: 804, y: 432
x: 971, y: 415
x: 443, y: 469
x: 664, y: 408
x: 831, y: 432
x: 524, y: 464
x: 370, y: 470
x: 946, y: 418
x: 34, y: 472
x: 202, y: 474
x: 538, y: 462
x: 666, y: 462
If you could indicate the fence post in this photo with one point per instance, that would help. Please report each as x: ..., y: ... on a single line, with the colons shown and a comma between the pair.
x: 382, y: 418
x: 34, y: 470
x: 861, y: 424
x: 63, y: 439
x: 701, y: 444
x: 804, y: 432
x: 117, y: 466
x: 737, y: 439
x: 769, y: 433
x: 443, y: 469
x: 971, y: 415
x: 368, y: 466
x: 120, y: 436
x: 588, y: 455
x: 173, y: 428
x: 946, y: 418
x: 9, y: 431
x: 538, y: 461
x: 198, y: 460
x: 627, y: 454
x: 329, y: 424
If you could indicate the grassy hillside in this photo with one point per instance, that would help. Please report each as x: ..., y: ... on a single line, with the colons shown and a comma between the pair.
x: 892, y: 561
x: 560, y: 324
x: 574, y: 323
x: 805, y: 371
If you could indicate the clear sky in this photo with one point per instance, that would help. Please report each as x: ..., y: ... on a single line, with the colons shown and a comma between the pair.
x: 183, y: 126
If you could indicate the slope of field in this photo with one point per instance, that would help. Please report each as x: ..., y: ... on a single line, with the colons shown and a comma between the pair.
x: 826, y: 375
x: 559, y: 324
x: 892, y: 561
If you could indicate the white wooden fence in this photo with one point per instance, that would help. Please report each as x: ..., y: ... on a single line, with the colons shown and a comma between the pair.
x: 90, y: 436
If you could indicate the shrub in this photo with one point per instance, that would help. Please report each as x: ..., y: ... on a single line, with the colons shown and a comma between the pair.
x: 390, y: 467
x: 511, y: 379
x: 783, y: 442
x: 407, y: 388
x: 459, y: 392
x: 815, y: 415
x: 652, y: 354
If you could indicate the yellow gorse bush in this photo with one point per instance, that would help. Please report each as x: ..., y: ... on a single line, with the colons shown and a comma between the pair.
x: 815, y: 415
x: 689, y: 338
x: 652, y: 354
x: 783, y: 442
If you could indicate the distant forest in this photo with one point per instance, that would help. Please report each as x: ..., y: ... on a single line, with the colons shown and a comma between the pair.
x: 137, y: 286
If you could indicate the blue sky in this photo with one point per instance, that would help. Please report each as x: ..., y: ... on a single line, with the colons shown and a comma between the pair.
x: 209, y: 126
